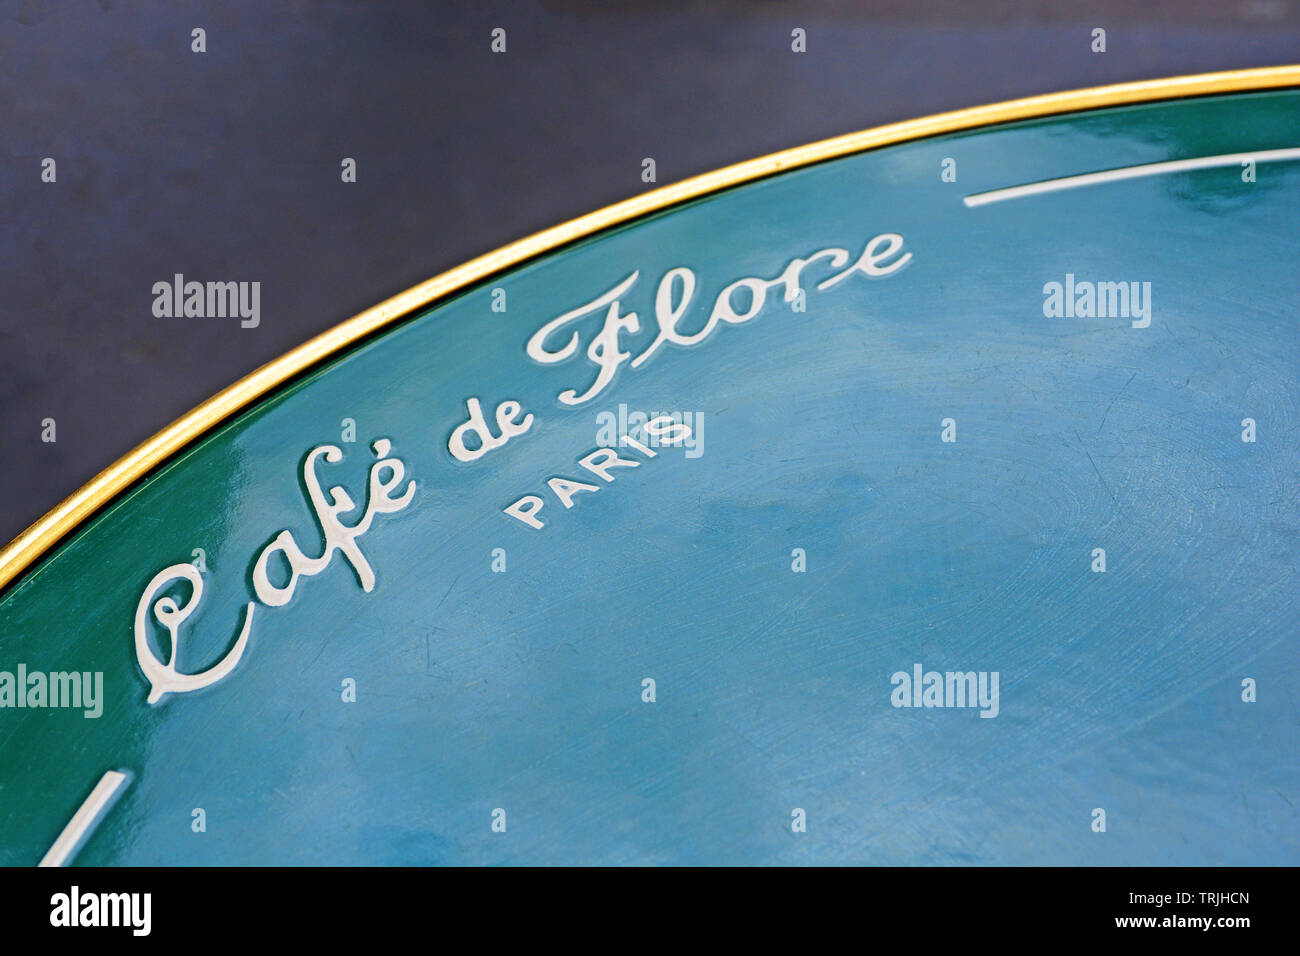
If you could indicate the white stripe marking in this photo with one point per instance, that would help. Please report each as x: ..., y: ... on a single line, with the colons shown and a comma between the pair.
x: 84, y: 820
x: 1129, y: 172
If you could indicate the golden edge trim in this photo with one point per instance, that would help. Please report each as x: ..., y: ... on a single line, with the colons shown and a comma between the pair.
x: 32, y: 544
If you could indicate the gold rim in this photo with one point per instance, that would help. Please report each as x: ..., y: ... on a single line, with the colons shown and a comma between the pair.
x: 33, y: 543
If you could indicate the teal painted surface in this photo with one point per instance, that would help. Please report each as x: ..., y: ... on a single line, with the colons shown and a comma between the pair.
x: 821, y: 431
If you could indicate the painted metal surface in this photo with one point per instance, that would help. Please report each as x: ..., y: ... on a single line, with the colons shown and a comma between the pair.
x: 817, y: 431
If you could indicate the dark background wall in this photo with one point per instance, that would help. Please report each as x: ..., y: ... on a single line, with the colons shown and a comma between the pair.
x: 225, y: 165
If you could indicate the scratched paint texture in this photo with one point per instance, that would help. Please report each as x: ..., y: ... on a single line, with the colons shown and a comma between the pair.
x: 821, y: 431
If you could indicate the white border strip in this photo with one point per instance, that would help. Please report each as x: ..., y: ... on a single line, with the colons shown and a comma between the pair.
x: 84, y: 820
x: 1129, y: 172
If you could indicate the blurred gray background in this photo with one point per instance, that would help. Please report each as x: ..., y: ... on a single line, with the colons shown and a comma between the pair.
x: 225, y: 165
